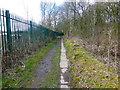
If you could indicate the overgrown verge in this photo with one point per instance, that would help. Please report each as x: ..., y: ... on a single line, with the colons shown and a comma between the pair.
x: 52, y: 78
x: 19, y: 76
x: 0, y: 72
x: 86, y: 71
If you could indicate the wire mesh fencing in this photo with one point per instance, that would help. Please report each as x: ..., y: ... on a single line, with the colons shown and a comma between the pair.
x: 19, y: 37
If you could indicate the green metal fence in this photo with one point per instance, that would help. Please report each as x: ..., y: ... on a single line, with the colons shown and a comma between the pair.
x: 20, y: 37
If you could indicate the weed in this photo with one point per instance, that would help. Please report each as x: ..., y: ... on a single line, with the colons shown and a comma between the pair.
x: 17, y: 77
x: 87, y: 72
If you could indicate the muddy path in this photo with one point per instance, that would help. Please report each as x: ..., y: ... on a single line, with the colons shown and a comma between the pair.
x: 44, y: 68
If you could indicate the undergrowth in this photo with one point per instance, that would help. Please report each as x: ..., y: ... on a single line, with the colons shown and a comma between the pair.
x: 86, y: 71
x: 18, y: 76
x: 0, y: 73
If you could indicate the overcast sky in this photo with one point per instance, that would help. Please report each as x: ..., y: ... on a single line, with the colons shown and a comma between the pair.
x: 20, y: 7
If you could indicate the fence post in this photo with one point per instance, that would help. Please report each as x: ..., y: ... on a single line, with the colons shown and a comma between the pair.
x: 8, y: 26
x: 30, y: 31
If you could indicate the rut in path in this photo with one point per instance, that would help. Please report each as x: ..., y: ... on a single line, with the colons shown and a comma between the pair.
x: 44, y: 68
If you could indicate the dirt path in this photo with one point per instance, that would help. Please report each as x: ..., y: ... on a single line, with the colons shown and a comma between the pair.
x: 44, y: 68
x: 64, y: 73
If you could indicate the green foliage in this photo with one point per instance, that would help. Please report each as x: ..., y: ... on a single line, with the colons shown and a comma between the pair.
x: 17, y: 77
x: 87, y: 72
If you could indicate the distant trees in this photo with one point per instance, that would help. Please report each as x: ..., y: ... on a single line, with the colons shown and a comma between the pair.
x: 95, y: 24
x: 49, y: 13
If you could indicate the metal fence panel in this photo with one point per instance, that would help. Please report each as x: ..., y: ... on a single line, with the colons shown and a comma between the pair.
x: 20, y: 37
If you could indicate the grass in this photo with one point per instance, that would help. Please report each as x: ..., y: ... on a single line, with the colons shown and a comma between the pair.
x: 18, y: 77
x: 86, y: 71
x: 52, y: 78
x: 0, y: 73
x: 0, y: 82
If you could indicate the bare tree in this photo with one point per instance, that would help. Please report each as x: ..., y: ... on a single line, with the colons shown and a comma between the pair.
x: 43, y: 7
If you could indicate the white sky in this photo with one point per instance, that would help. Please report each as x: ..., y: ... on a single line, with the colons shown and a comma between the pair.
x: 20, y: 7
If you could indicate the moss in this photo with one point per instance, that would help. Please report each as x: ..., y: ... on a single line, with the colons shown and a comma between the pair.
x: 20, y: 78
x: 87, y: 72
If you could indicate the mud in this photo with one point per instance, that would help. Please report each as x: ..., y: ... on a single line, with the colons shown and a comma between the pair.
x: 44, y: 68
